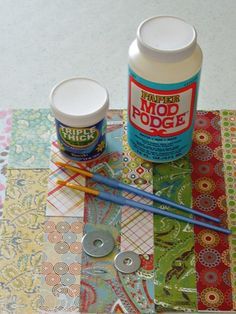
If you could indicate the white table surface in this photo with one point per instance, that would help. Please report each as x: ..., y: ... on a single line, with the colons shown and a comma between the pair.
x: 45, y: 41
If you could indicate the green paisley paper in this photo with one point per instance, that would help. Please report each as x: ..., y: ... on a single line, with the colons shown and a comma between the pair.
x: 30, y: 139
x: 175, y: 280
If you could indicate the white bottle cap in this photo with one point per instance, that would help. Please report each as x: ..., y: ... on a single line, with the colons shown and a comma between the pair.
x: 166, y: 37
x: 79, y: 102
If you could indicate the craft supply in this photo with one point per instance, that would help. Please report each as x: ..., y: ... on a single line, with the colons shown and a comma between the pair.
x: 98, y: 243
x: 164, y: 70
x: 79, y: 106
x: 128, y: 188
x: 127, y: 262
x: 127, y: 202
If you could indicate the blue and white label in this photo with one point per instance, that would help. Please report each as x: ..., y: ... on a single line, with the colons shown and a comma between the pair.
x: 82, y: 144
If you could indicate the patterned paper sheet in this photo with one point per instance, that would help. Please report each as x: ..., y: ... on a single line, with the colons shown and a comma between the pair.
x: 30, y: 139
x: 60, y: 285
x: 21, y: 233
x: 136, y: 225
x: 5, y: 131
x: 104, y: 290
x: 211, y: 248
x: 62, y: 201
x: 110, y: 164
x: 175, y: 278
x: 228, y: 126
x: 184, y: 268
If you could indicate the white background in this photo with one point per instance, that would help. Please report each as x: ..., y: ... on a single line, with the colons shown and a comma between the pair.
x: 45, y: 41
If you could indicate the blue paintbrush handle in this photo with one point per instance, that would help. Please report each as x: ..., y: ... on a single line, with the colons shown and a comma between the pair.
x: 124, y: 201
x: 106, y: 180
x: 128, y: 188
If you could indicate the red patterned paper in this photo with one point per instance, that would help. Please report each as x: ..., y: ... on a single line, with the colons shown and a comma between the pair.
x: 211, y: 248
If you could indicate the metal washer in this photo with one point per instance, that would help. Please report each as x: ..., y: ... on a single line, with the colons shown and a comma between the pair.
x: 127, y: 262
x: 98, y: 243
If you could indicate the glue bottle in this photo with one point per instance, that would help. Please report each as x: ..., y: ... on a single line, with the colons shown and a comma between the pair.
x: 164, y: 70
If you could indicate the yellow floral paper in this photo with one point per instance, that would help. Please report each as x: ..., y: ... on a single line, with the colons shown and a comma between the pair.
x: 21, y: 233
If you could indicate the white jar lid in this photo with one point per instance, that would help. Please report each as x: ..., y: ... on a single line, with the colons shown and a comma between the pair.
x: 79, y: 102
x: 166, y: 37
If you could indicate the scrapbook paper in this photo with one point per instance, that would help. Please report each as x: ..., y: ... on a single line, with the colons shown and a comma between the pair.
x: 110, y: 164
x: 228, y: 130
x: 5, y: 133
x: 136, y: 225
x: 30, y: 141
x: 61, y: 200
x: 174, y: 260
x: 104, y: 290
x: 21, y: 231
x: 194, y: 268
x: 96, y: 293
x: 5, y: 127
x: 61, y: 266
x: 211, y: 248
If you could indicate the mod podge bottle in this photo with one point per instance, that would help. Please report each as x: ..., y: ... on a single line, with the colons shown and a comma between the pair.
x: 164, y: 70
